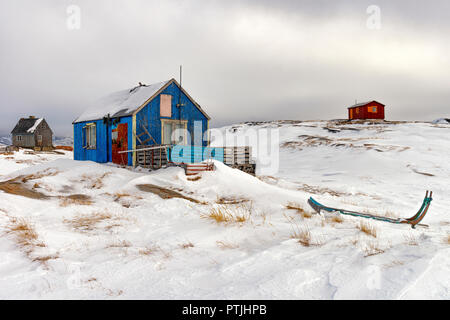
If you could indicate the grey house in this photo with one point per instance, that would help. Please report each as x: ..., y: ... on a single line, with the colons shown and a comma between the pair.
x: 33, y: 133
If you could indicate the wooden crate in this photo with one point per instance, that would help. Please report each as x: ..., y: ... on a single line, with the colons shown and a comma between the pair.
x: 153, y: 159
x: 237, y: 155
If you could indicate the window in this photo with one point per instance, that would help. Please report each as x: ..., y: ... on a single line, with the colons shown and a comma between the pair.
x: 39, y: 138
x: 19, y: 138
x: 165, y: 107
x: 90, y: 136
x: 174, y: 131
x: 372, y: 109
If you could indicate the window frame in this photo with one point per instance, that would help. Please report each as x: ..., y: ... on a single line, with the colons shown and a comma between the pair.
x: 89, y: 136
x: 174, y: 123
x: 372, y: 109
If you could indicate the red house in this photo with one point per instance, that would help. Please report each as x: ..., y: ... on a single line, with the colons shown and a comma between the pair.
x: 366, y: 110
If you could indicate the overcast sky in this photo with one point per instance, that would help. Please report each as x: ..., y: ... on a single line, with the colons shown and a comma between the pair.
x: 242, y: 60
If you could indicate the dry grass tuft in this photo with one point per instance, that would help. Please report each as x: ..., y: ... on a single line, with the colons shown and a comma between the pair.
x: 49, y: 172
x: 97, y: 183
x: 226, y: 245
x: 447, y: 239
x: 303, y: 236
x: 394, y: 263
x: 120, y: 244
x: 76, y: 199
x: 367, y: 228
x: 25, y: 235
x: 332, y: 219
x: 372, y: 248
x: 194, y: 178
x: 118, y: 196
x: 186, y: 245
x: 45, y: 259
x: 231, y: 200
x: 90, y: 222
x: 336, y: 219
x: 225, y: 213
x: 28, y: 240
x: 411, y: 239
x: 94, y: 182
x: 299, y: 209
x: 147, y: 251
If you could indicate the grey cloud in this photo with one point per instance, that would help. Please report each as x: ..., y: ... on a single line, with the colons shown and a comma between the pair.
x: 242, y: 60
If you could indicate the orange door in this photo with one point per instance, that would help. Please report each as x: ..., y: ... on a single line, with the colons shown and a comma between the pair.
x: 120, y: 143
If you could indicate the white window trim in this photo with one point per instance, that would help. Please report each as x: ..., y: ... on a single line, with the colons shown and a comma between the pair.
x: 87, y: 143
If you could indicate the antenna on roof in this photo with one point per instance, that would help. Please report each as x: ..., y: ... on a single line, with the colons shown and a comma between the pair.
x: 181, y: 74
x: 181, y: 88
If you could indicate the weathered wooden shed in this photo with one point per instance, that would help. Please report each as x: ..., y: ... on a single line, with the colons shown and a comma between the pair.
x: 33, y: 133
x: 366, y: 110
x: 136, y: 118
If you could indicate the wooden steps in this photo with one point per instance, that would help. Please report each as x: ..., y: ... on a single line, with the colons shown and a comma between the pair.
x: 193, y: 169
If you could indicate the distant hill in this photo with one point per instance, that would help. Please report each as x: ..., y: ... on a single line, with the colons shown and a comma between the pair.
x: 57, y: 141
x: 62, y: 141
x: 441, y: 121
x: 5, y: 140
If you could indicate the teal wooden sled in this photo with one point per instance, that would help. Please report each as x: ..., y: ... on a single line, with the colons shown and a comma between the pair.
x: 413, y: 221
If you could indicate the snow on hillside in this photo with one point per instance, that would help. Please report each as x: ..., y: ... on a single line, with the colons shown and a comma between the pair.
x: 57, y: 141
x: 5, y: 140
x: 62, y: 141
x: 441, y: 121
x: 99, y: 231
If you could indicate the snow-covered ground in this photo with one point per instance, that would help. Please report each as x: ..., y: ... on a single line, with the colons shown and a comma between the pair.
x: 86, y: 230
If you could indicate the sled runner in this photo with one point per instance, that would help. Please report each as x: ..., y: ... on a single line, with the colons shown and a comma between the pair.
x: 413, y: 221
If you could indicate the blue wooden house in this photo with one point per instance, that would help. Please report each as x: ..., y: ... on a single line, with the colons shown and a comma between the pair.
x: 142, y: 116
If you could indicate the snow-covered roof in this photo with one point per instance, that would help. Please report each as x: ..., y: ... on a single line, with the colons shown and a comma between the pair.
x: 441, y: 121
x: 121, y: 103
x: 363, y: 104
x: 33, y: 128
x: 27, y: 125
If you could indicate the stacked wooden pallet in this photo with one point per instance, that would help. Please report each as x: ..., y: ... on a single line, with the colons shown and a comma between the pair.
x: 153, y: 159
x: 237, y: 155
x: 239, y: 158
